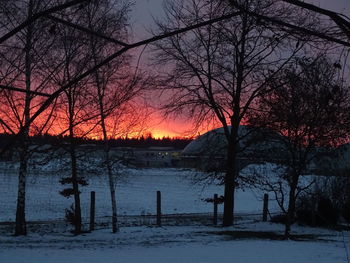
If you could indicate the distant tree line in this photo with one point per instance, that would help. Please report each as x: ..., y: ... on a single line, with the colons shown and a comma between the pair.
x: 139, y: 142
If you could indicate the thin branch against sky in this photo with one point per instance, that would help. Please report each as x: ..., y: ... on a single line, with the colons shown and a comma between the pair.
x: 39, y: 15
x: 144, y: 12
x: 129, y: 47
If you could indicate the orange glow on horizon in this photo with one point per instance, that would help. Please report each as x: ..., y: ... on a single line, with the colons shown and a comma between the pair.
x: 159, y: 127
x: 159, y: 134
x: 153, y: 125
x: 156, y: 128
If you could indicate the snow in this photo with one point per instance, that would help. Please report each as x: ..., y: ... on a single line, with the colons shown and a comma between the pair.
x: 135, y: 190
x: 173, y: 244
x: 241, y: 251
x: 136, y: 194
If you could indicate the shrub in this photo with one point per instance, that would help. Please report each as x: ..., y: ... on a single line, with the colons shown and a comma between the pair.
x: 317, y: 211
x: 327, y: 213
x: 346, y: 212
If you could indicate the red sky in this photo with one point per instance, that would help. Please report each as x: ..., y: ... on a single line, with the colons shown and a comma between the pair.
x: 170, y: 127
x: 142, y: 21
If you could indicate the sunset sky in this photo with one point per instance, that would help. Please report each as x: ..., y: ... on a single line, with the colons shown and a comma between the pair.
x: 142, y: 22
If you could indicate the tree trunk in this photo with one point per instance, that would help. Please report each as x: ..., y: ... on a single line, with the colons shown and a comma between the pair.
x: 232, y: 164
x: 21, y: 228
x: 230, y: 179
x: 107, y: 157
x: 77, y: 208
x: 100, y: 93
x: 112, y: 190
x: 291, y: 206
x: 229, y: 198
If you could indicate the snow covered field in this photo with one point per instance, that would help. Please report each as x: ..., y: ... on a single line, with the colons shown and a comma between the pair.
x: 177, y: 245
x: 247, y: 242
x: 136, y: 195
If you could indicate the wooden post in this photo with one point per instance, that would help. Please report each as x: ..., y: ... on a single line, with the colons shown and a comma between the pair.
x: 92, y: 211
x: 159, y: 207
x: 215, y: 219
x: 265, y: 207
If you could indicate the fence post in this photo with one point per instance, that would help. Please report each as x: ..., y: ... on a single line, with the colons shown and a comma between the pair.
x: 215, y: 219
x: 92, y: 210
x: 265, y: 207
x: 159, y: 207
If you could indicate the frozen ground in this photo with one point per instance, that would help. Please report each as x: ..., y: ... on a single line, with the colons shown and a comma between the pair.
x: 249, y: 241
x: 136, y: 195
x: 179, y: 245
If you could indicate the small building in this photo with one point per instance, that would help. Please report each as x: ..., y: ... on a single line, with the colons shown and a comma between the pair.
x: 208, y: 151
x: 155, y: 157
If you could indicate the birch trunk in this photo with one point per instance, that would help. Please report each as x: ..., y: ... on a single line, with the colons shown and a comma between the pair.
x: 107, y: 150
x: 21, y: 228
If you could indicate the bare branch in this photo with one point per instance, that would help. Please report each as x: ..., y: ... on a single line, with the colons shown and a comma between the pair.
x: 39, y: 15
x: 25, y: 91
x: 87, y: 30
x: 338, y: 19
x: 296, y: 28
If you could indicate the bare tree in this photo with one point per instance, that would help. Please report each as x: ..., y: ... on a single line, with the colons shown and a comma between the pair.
x: 22, y: 68
x: 216, y: 72
x: 75, y: 113
x: 117, y: 83
x: 309, y: 110
x: 332, y: 37
x: 341, y: 27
